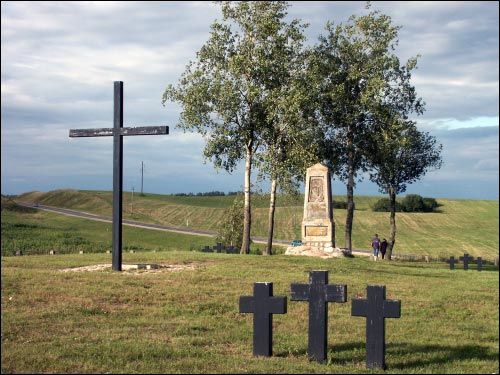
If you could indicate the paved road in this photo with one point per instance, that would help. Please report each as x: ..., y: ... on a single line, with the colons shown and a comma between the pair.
x: 132, y: 223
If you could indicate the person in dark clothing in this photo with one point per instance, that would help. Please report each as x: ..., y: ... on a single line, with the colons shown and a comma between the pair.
x: 375, y: 246
x: 383, y: 247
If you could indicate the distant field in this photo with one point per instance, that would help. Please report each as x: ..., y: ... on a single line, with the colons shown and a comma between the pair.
x: 34, y: 232
x: 188, y: 321
x: 460, y: 225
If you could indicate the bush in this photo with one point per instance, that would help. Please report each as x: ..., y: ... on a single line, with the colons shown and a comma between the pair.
x: 415, y: 203
x: 230, y: 231
x: 430, y: 204
x: 410, y: 203
x: 384, y: 205
x: 338, y: 204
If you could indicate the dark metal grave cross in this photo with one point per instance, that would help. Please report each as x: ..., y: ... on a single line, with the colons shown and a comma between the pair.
x: 479, y: 262
x: 207, y: 249
x: 452, y: 262
x: 219, y: 247
x: 262, y: 304
x: 231, y: 250
x: 118, y: 131
x: 466, y: 259
x: 318, y: 293
x: 375, y: 308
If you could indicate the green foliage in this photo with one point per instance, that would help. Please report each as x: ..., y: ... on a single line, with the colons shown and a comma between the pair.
x: 357, y: 72
x: 400, y: 154
x: 431, y: 204
x: 410, y: 203
x: 230, y: 230
x: 384, y: 205
x: 236, y: 92
x: 415, y: 203
x: 339, y: 204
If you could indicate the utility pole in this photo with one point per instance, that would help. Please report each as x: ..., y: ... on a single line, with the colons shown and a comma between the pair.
x: 132, y: 204
x: 142, y: 178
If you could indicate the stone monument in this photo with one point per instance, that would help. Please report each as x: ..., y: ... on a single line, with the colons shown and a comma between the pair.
x: 318, y: 228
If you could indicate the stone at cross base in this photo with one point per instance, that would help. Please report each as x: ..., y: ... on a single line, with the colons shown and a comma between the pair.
x: 318, y: 227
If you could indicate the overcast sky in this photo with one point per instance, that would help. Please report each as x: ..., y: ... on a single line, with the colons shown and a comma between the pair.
x: 59, y: 61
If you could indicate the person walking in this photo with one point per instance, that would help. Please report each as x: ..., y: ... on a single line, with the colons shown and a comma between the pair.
x: 375, y: 246
x: 383, y: 247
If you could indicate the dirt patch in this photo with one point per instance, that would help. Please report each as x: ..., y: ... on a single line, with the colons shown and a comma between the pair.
x: 136, y: 268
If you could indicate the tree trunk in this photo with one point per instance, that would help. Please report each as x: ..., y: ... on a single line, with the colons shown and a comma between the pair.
x: 272, y: 206
x: 247, y: 218
x: 350, y: 208
x: 392, y: 239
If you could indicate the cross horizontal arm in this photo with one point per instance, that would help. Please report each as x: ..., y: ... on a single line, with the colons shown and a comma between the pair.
x: 105, y: 132
x: 300, y: 292
x: 359, y: 307
x: 336, y: 293
x: 277, y: 305
x: 247, y: 304
x: 392, y: 308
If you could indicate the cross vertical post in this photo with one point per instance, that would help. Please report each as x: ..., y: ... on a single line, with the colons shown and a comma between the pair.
x: 452, y: 262
x: 318, y: 293
x: 263, y: 305
x: 206, y: 249
x: 375, y: 308
x: 117, y: 175
x: 479, y: 262
x: 219, y: 247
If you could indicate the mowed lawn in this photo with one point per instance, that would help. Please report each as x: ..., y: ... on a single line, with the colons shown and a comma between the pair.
x: 188, y: 321
x: 460, y: 225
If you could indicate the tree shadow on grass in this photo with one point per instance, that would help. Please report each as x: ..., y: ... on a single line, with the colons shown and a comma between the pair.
x: 420, y: 355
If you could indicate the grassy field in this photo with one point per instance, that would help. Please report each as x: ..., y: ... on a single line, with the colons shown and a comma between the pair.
x: 188, y: 321
x: 460, y: 225
x: 34, y: 231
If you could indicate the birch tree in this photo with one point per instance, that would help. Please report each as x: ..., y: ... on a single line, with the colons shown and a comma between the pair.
x: 356, y: 71
x: 225, y: 92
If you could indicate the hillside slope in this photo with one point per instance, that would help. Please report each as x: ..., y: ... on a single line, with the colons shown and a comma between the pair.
x: 461, y: 225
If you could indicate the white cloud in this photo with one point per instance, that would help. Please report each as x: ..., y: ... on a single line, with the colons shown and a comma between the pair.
x: 59, y: 61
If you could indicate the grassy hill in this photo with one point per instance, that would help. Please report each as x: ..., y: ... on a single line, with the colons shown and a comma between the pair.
x: 188, y: 321
x: 460, y: 225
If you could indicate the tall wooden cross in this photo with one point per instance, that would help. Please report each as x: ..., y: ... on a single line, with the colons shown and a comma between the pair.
x: 318, y: 293
x: 118, y: 131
